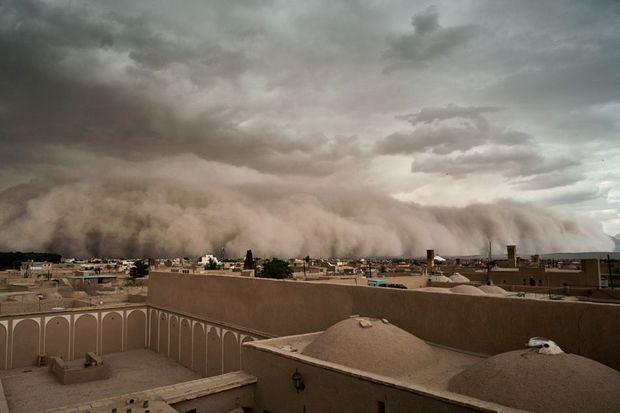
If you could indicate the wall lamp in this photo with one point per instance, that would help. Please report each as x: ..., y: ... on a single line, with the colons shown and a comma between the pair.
x: 298, y: 381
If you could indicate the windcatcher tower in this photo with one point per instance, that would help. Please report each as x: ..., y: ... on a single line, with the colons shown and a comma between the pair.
x: 512, y: 256
x: 430, y: 259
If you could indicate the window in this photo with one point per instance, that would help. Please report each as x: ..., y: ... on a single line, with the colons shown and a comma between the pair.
x: 381, y: 407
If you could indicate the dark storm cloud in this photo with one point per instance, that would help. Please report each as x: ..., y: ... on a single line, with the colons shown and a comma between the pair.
x: 587, y: 78
x: 555, y: 55
x: 554, y: 179
x: 448, y: 129
x: 428, y: 42
x: 152, y: 128
x: 591, y: 123
x: 460, y: 141
x: 33, y: 30
x: 577, y: 196
x: 431, y: 114
x: 128, y: 122
x: 509, y: 162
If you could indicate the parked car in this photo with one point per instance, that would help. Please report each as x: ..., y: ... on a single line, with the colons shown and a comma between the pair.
x: 377, y: 283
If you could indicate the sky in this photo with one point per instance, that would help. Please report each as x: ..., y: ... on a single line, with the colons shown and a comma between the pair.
x: 347, y: 128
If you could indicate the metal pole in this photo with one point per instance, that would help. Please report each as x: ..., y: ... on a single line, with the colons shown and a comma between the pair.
x: 489, y: 265
x: 611, y: 278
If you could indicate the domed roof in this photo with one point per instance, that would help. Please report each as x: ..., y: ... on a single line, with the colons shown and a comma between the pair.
x: 458, y: 278
x: 467, y: 289
x: 441, y: 279
x: 493, y: 289
x: 372, y: 345
x: 528, y: 380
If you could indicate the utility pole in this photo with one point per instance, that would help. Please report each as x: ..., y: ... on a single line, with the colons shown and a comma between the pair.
x: 489, y: 265
x: 611, y: 278
x: 306, y: 262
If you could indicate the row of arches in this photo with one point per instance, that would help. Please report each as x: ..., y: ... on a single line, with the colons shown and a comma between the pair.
x: 200, y: 346
x: 207, y: 349
x: 71, y: 335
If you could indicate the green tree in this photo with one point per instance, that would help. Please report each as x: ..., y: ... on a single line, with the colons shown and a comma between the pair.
x: 275, y: 268
x: 139, y: 269
x: 248, y: 264
x: 211, y: 265
x: 13, y: 260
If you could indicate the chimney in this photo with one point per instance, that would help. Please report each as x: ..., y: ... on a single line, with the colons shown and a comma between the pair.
x: 430, y: 258
x: 512, y: 256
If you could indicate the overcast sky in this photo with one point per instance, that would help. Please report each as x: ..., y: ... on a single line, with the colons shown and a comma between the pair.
x: 435, y: 104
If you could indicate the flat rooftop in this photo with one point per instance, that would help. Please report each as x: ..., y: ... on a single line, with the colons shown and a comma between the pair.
x: 412, y: 281
x: 34, y: 388
x: 14, y: 293
x: 161, y: 398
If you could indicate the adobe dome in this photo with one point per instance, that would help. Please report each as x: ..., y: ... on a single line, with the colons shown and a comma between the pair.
x: 440, y: 279
x: 467, y: 289
x: 372, y: 345
x: 458, y: 278
x: 493, y: 289
x: 525, y: 379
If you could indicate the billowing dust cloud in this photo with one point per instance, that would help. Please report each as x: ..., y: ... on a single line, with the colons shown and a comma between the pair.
x: 99, y: 218
x: 124, y: 134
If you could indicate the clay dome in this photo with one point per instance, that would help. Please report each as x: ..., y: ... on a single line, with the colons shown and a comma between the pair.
x: 372, y: 345
x: 467, y: 289
x: 493, y: 289
x: 441, y: 279
x: 458, y: 278
x: 525, y: 379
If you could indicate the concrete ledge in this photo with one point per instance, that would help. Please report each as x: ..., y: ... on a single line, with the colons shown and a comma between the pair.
x: 229, y: 326
x: 89, y: 309
x: 172, y: 394
x: 205, y: 387
x: 4, y: 407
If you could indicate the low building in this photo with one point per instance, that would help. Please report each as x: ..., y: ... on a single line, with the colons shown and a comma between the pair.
x: 226, y: 343
x: 32, y: 268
